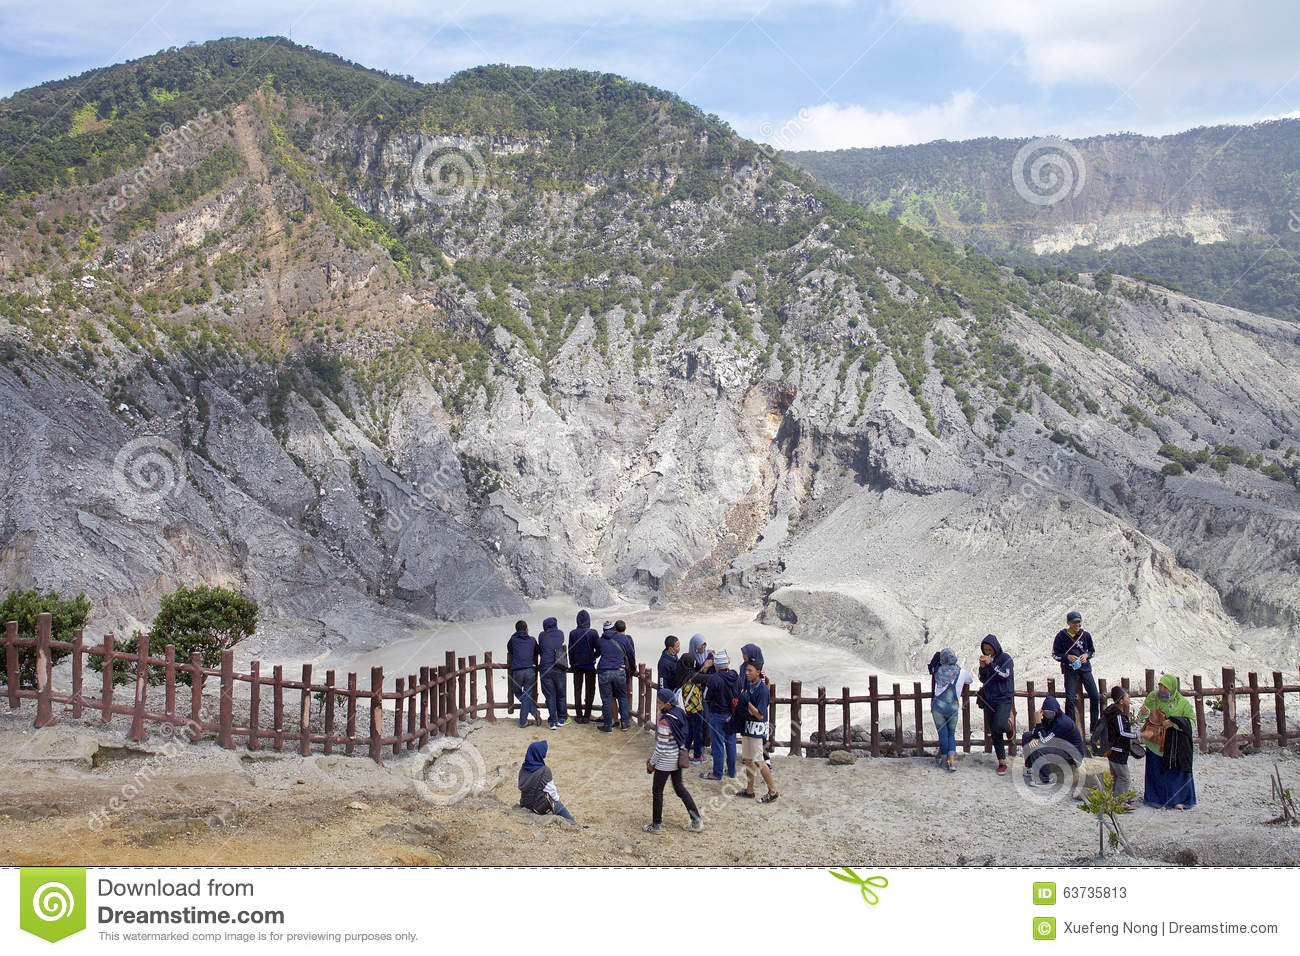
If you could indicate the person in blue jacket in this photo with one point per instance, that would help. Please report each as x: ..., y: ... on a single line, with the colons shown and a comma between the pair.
x: 611, y: 675
x: 629, y: 655
x: 582, y: 661
x: 722, y: 687
x: 1074, y: 650
x: 521, y: 659
x: 1055, y: 736
x: 997, y: 695
x: 669, y: 671
x: 551, y: 670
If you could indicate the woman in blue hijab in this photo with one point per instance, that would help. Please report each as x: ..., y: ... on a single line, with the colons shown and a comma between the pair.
x: 537, y: 790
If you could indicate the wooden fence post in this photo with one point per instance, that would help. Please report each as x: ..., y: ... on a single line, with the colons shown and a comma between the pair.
x: 424, y: 706
x: 169, y: 682
x: 196, y: 692
x: 1150, y: 680
x: 965, y: 718
x: 277, y: 705
x: 350, y: 744
x: 106, y: 693
x: 898, y: 721
x: 491, y: 695
x: 796, y: 718
x: 44, y: 708
x: 226, y: 702
x: 78, y: 648
x: 399, y: 712
x: 304, y: 713
x: 1279, y: 708
x: 920, y: 726
x: 822, y: 747
x: 329, y: 712
x: 453, y: 688
x: 254, y: 702
x: 460, y: 687
x: 137, y: 732
x: 413, y: 691
x: 376, y: 714
x: 11, y: 663
x: 846, y: 718
x: 873, y: 700
x: 1229, y: 700
x: 1199, y: 702
x: 1256, y: 731
x: 473, y: 687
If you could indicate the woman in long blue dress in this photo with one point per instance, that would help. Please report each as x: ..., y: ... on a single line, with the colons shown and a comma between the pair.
x: 1168, y: 785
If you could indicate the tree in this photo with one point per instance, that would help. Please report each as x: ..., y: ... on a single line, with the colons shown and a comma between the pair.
x: 23, y: 606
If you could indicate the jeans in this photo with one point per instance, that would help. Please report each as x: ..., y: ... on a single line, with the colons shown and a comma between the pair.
x: 679, y: 788
x: 584, y: 689
x: 523, y: 680
x: 1072, y: 681
x: 946, y: 724
x: 613, y: 691
x: 553, y: 687
x: 721, y: 743
x: 695, y: 733
x: 560, y: 810
x: 999, y: 726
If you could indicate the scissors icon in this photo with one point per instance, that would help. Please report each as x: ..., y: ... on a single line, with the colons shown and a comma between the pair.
x: 868, y: 894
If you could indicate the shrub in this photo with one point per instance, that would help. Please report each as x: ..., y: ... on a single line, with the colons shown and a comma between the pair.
x: 1173, y: 468
x: 67, y: 615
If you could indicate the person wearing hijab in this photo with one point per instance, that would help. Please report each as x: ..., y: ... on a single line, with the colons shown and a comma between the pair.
x: 670, y: 738
x: 537, y: 790
x: 1169, y: 780
x: 703, y: 656
x: 998, y: 695
x: 950, y: 679
x: 692, y: 701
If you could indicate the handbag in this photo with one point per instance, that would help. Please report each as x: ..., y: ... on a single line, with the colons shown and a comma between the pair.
x: 683, y: 758
x: 1153, y: 731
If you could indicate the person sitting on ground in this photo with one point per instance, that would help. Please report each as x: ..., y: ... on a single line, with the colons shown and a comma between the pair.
x: 1120, y: 736
x: 521, y: 660
x: 721, y: 694
x: 664, y: 763
x: 551, y: 668
x: 1169, y: 781
x: 1073, y: 650
x: 582, y: 661
x: 537, y: 791
x: 611, y: 675
x: 755, y: 697
x: 949, y: 680
x: 692, y: 701
x: 1055, y: 736
x: 997, y: 695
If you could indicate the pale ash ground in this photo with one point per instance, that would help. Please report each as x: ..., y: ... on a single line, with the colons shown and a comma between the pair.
x: 209, y: 806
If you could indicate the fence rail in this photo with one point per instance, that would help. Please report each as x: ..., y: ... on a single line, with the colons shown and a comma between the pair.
x: 345, y: 716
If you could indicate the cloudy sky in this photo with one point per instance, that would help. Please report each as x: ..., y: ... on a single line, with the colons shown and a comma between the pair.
x: 802, y: 74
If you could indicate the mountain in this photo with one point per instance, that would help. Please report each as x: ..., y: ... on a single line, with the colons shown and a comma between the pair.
x: 1212, y: 211
x: 380, y: 354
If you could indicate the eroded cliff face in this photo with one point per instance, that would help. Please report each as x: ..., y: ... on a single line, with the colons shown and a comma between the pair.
x: 815, y: 463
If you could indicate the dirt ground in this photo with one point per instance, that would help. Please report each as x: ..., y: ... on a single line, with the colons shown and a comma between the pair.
x: 195, y: 804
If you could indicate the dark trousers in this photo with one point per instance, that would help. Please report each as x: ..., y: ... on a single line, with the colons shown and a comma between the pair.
x: 1072, y: 680
x: 523, y: 680
x: 553, y: 686
x: 613, y: 692
x: 1048, y: 755
x: 695, y: 733
x: 999, y: 725
x: 584, y: 692
x: 679, y: 788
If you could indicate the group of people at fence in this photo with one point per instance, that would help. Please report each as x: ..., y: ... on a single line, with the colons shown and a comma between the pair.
x: 700, y: 699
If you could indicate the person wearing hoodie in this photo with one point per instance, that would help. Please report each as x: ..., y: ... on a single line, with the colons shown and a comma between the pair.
x: 1074, y: 650
x: 1055, y: 736
x: 755, y: 697
x: 582, y: 661
x: 950, y: 679
x: 537, y: 791
x: 1121, y: 736
x: 664, y: 763
x: 997, y: 695
x: 521, y: 659
x: 752, y: 652
x: 668, y: 670
x: 721, y: 694
x: 611, y: 675
x: 551, y: 661
x: 629, y: 656
x: 704, y: 668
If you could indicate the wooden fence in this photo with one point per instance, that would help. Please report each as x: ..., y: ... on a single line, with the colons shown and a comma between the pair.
x: 343, y: 716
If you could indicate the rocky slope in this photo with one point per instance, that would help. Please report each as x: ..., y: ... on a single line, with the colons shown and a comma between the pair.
x: 381, y: 354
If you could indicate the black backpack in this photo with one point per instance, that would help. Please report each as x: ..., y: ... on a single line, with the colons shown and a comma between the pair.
x: 1100, y: 741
